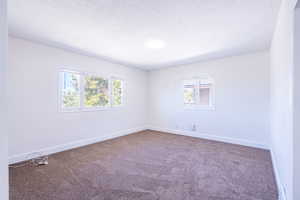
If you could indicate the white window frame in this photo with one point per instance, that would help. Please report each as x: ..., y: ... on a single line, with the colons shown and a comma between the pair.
x: 60, y: 96
x: 111, y: 91
x: 197, y: 82
x: 82, y: 107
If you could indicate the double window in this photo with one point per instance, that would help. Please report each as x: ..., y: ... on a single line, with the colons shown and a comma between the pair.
x: 199, y: 93
x: 84, y: 91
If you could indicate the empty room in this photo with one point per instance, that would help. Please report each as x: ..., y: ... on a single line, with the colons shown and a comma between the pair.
x: 149, y: 100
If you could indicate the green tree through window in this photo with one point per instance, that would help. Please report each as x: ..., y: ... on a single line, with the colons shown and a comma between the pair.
x: 189, y: 94
x: 117, y: 92
x: 71, y: 90
x: 96, y: 91
x: 80, y: 91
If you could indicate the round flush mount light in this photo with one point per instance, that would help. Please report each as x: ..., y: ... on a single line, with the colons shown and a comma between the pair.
x: 155, y: 44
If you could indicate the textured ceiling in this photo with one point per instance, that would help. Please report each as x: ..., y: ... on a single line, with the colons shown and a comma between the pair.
x: 117, y: 30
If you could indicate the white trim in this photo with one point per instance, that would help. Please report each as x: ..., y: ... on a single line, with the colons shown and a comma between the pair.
x: 281, y: 192
x: 280, y: 188
x: 196, y: 81
x: 82, y: 107
x: 211, y: 137
x: 63, y: 147
x: 60, y: 86
x: 199, y: 107
x: 59, y: 148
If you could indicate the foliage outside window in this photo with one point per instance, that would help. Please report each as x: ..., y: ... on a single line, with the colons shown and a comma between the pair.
x: 117, y: 92
x: 71, y: 90
x: 189, y: 93
x: 198, y: 93
x: 79, y: 91
x: 96, y: 91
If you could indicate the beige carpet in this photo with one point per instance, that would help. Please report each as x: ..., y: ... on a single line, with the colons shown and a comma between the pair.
x: 150, y: 166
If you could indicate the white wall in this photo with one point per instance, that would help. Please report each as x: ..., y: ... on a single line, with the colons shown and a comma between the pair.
x: 33, y: 100
x: 297, y: 104
x: 282, y: 98
x: 3, y: 131
x: 242, y: 99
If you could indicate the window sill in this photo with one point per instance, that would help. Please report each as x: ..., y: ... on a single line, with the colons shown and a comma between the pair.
x: 90, y: 109
x: 197, y: 107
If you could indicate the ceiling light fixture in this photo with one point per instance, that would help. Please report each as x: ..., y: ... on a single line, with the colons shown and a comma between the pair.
x: 155, y: 44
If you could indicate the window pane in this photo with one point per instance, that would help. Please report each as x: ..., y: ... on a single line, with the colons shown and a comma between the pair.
x: 96, y: 92
x: 70, y: 90
x: 117, y: 92
x: 189, y: 94
x: 204, y: 95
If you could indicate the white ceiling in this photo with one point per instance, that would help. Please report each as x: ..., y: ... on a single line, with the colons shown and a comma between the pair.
x: 117, y: 30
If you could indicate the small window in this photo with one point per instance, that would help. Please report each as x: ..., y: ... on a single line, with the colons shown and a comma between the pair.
x: 117, y: 92
x: 96, y: 91
x: 70, y: 93
x: 198, y: 93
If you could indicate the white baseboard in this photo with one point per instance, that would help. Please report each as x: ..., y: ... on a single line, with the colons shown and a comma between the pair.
x: 281, y: 190
x: 63, y: 147
x: 80, y: 143
x: 211, y: 137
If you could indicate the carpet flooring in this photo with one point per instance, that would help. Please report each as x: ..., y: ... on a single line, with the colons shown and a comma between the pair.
x: 149, y: 165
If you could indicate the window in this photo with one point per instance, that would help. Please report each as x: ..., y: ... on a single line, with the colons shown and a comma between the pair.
x: 83, y: 91
x: 117, y: 92
x: 70, y: 93
x: 198, y: 93
x: 190, y: 92
x: 96, y: 91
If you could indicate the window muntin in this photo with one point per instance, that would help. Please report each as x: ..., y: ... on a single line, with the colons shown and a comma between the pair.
x: 189, y: 92
x: 117, y: 92
x: 96, y: 91
x: 70, y: 93
x: 198, y: 93
x: 79, y: 91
